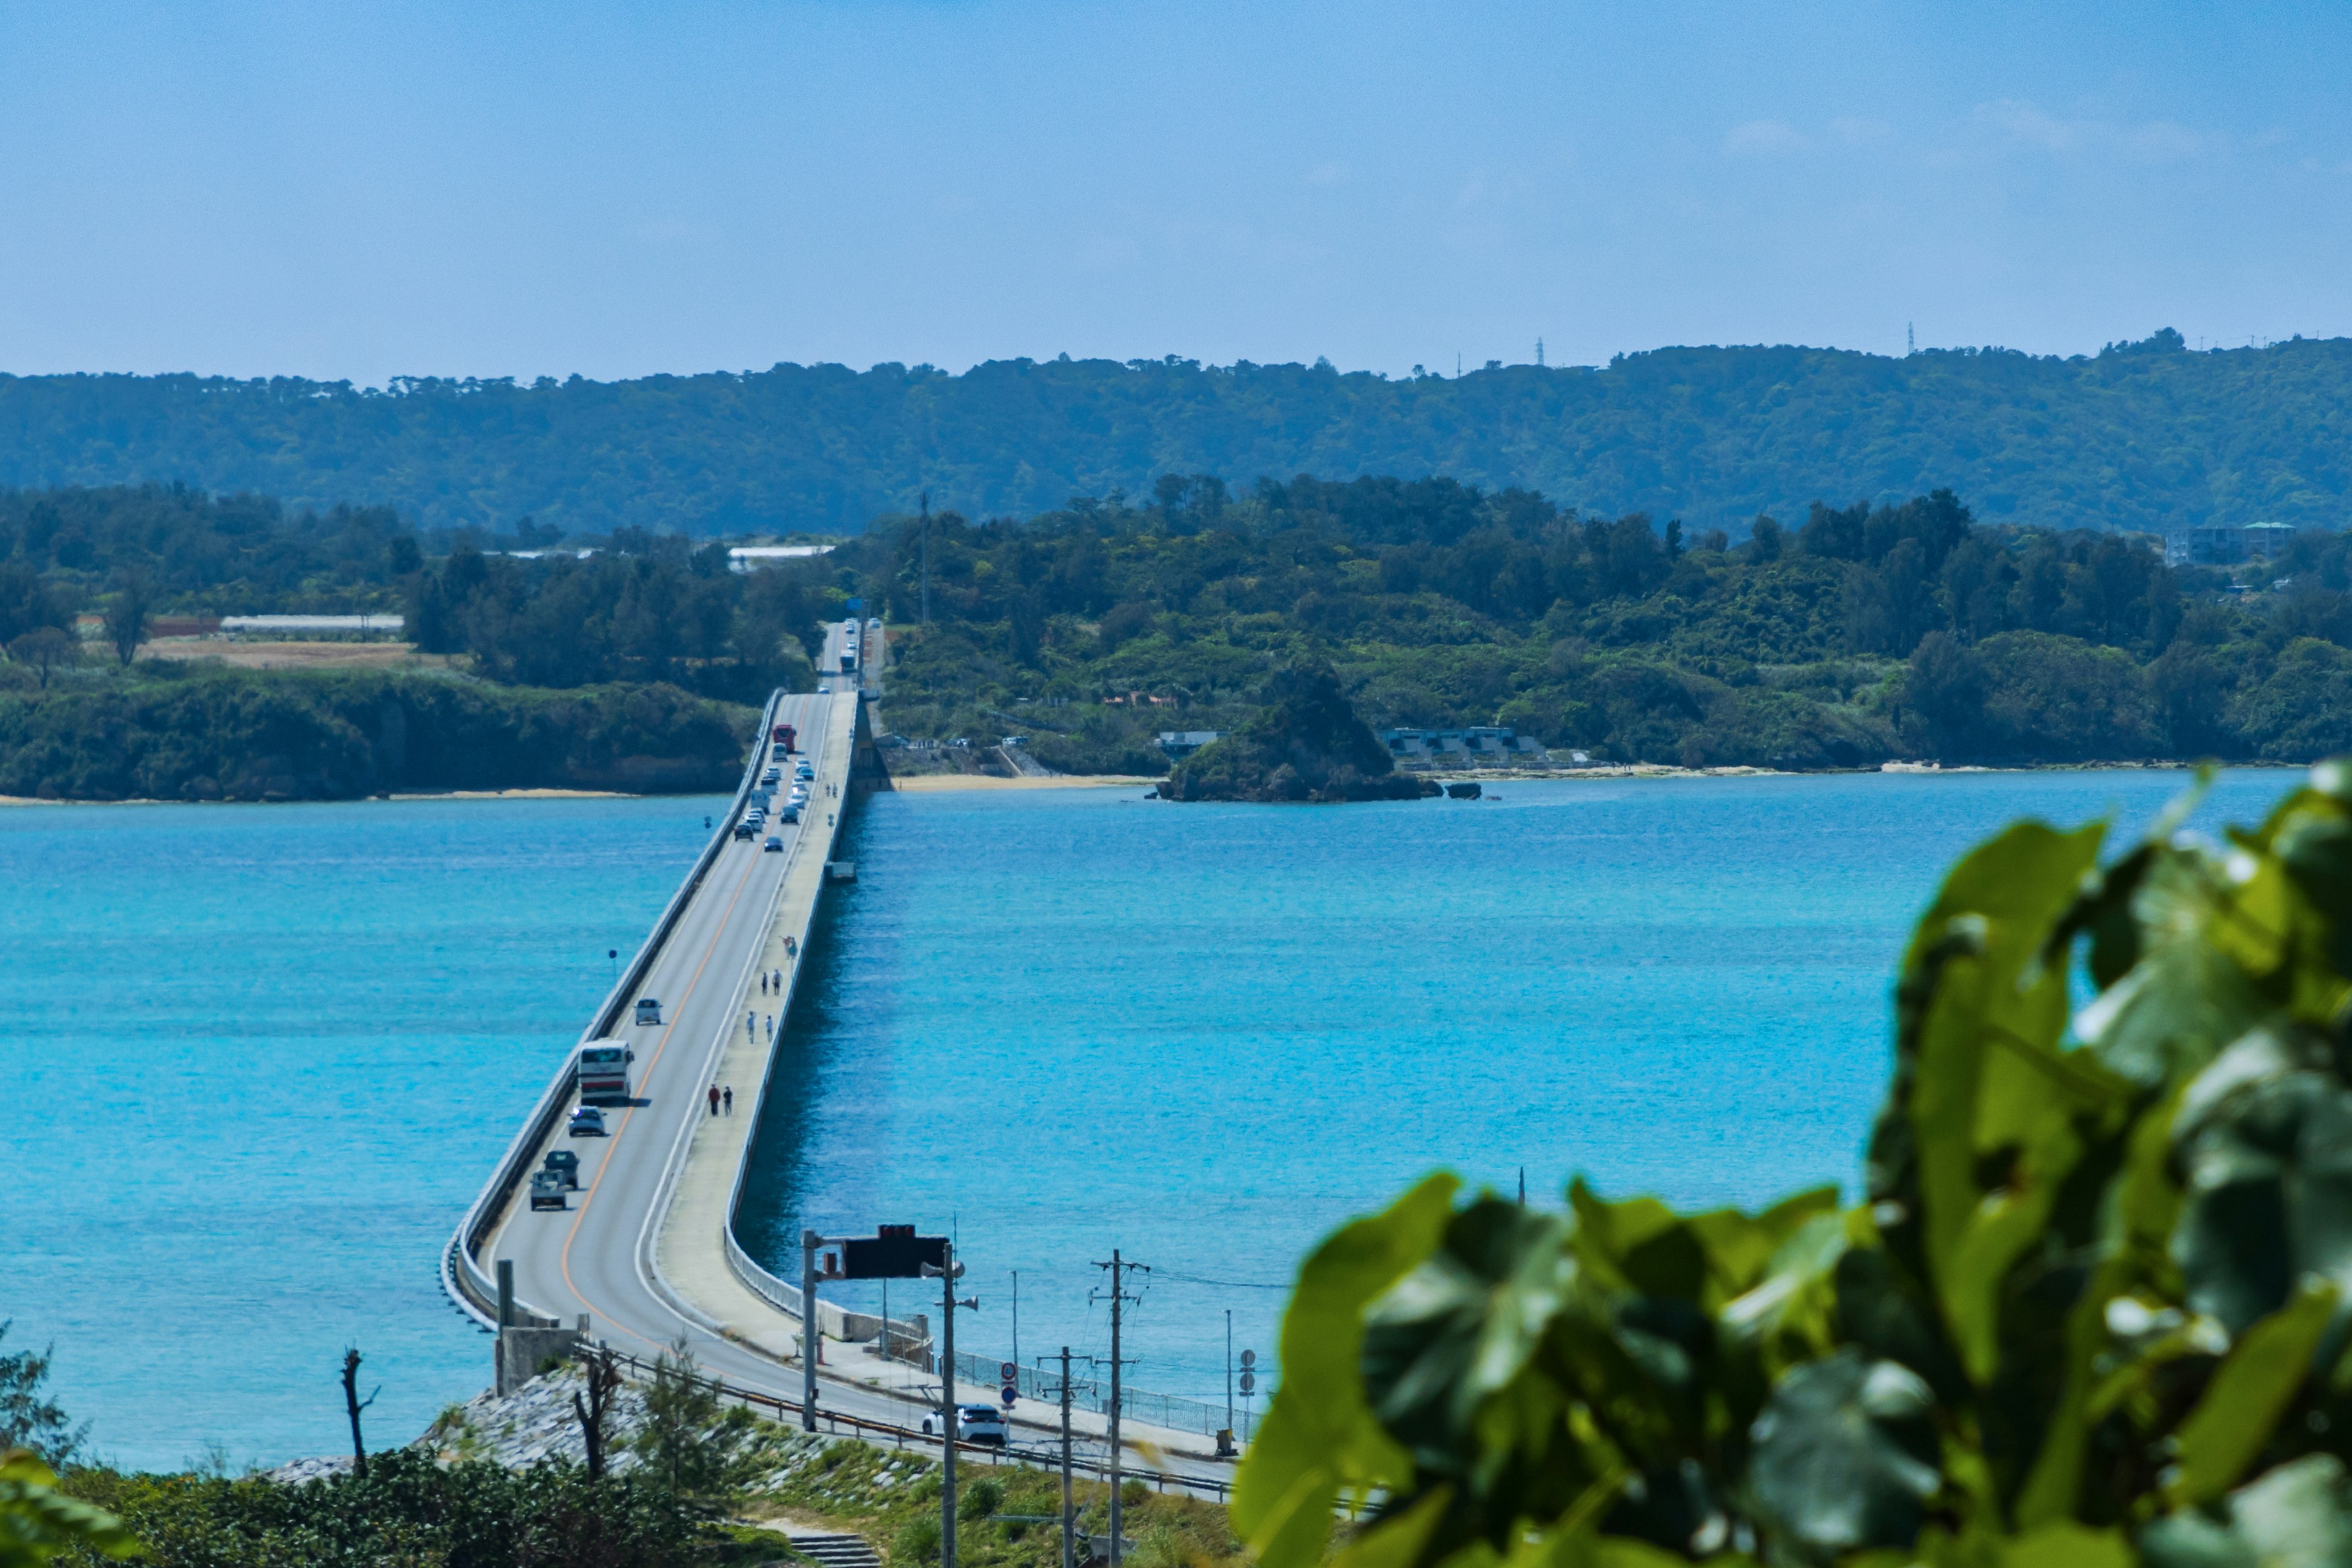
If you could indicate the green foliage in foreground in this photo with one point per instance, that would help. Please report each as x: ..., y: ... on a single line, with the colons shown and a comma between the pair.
x: 170, y: 732
x: 2090, y: 1312
x: 409, y: 1511
x: 39, y: 1524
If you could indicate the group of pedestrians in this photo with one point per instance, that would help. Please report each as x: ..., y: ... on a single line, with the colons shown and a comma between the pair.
x: 722, y: 1097
x: 771, y: 983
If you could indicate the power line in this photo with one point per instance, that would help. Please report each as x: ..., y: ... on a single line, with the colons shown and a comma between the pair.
x: 1227, y: 1284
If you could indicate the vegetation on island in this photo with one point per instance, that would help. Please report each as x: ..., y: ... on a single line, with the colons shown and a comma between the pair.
x: 2144, y: 436
x: 169, y: 730
x: 1849, y: 637
x: 1858, y: 635
x: 2091, y: 1310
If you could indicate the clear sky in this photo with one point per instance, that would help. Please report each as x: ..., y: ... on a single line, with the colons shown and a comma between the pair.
x: 366, y: 191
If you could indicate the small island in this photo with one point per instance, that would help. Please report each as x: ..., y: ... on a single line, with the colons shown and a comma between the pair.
x: 1306, y: 744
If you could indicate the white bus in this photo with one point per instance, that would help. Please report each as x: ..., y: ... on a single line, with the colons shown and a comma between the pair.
x: 605, y: 1070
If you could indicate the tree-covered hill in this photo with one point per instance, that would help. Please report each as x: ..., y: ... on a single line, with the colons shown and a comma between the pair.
x: 2145, y: 435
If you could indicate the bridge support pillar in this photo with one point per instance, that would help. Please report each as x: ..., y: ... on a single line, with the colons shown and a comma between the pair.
x: 523, y: 1352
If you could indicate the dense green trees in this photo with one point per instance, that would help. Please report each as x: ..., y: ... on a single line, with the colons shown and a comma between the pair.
x: 2090, y: 1310
x: 178, y: 732
x: 1848, y: 637
x: 2144, y: 436
x: 1861, y: 634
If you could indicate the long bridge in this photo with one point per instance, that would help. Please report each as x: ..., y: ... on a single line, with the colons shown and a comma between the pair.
x: 644, y: 1256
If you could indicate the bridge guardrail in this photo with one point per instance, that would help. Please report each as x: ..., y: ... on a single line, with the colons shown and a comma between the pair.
x: 861, y: 1427
x: 472, y: 1290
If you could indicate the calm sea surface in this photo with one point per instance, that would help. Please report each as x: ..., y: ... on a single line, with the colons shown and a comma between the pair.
x: 260, y: 1058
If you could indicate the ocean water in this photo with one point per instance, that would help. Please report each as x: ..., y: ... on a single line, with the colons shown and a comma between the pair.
x: 1060, y: 1022
x: 260, y: 1058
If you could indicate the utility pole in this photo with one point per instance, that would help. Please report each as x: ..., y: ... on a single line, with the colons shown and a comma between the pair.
x: 1229, y: 1345
x: 809, y: 1239
x: 927, y: 558
x: 1539, y: 353
x: 946, y: 1270
x: 1016, y: 1317
x: 1069, y: 1514
x: 1119, y: 1269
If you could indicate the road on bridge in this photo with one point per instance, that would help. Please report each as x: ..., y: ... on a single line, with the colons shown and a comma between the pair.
x: 598, y: 1257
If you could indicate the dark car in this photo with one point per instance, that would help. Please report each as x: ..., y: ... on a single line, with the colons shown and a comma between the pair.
x: 774, y: 845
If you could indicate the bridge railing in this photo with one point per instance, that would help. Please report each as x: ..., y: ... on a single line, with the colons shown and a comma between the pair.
x: 461, y: 1276
x: 877, y: 1431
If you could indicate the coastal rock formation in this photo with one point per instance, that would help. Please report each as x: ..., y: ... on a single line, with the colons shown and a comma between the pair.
x: 1306, y: 744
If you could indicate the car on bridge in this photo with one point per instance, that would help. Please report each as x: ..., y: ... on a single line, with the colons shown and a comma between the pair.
x: 547, y: 1190
x: 648, y: 1010
x: 566, y: 1164
x: 804, y: 773
x: 791, y: 813
x: 774, y: 845
x: 745, y: 828
x: 587, y: 1122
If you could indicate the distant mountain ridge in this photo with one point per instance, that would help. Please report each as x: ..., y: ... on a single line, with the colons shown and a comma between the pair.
x: 2144, y: 436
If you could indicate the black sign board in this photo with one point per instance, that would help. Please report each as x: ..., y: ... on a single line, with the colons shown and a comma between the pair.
x: 892, y: 1252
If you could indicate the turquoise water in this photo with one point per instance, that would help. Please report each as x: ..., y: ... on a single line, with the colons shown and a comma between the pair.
x: 1061, y: 1022
x: 262, y: 1057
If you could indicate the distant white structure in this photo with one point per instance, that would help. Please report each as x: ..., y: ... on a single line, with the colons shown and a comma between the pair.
x: 313, y: 623
x: 743, y: 557
x: 1480, y: 744
x: 1181, y: 744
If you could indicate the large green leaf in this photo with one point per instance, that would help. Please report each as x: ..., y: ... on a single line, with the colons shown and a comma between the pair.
x: 38, y: 1524
x: 2296, y: 1516
x: 2264, y: 1139
x: 1845, y: 1454
x: 1319, y: 1435
x: 1987, y: 1076
x: 2242, y: 1403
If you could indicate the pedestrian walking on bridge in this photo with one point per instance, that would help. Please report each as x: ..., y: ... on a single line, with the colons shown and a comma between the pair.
x: 728, y: 1095
x: 714, y: 1100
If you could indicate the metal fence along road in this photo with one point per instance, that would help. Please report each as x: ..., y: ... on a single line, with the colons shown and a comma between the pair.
x: 1094, y: 1394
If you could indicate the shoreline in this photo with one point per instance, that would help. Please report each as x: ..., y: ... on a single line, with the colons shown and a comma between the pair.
x: 8, y: 800
x: 945, y: 783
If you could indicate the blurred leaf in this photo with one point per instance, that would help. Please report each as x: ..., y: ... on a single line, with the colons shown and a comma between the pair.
x: 2296, y: 1516
x: 1845, y: 1453
x: 2265, y: 1140
x: 2186, y: 998
x: 1319, y: 1434
x: 2246, y: 1397
x: 38, y: 1524
x: 1396, y: 1541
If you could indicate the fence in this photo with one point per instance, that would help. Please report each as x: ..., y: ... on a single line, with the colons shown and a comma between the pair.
x: 1094, y: 1394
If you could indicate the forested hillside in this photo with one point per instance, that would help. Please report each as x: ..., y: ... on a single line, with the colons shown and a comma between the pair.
x: 2147, y: 435
x: 1860, y: 634
x: 1844, y: 637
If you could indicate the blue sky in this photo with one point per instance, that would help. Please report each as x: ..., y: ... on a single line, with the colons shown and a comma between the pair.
x: 363, y: 192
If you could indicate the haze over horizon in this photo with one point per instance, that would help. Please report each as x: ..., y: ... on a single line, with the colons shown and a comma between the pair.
x: 618, y: 190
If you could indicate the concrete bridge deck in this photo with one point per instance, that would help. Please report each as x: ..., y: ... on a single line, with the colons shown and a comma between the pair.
x: 643, y: 1251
